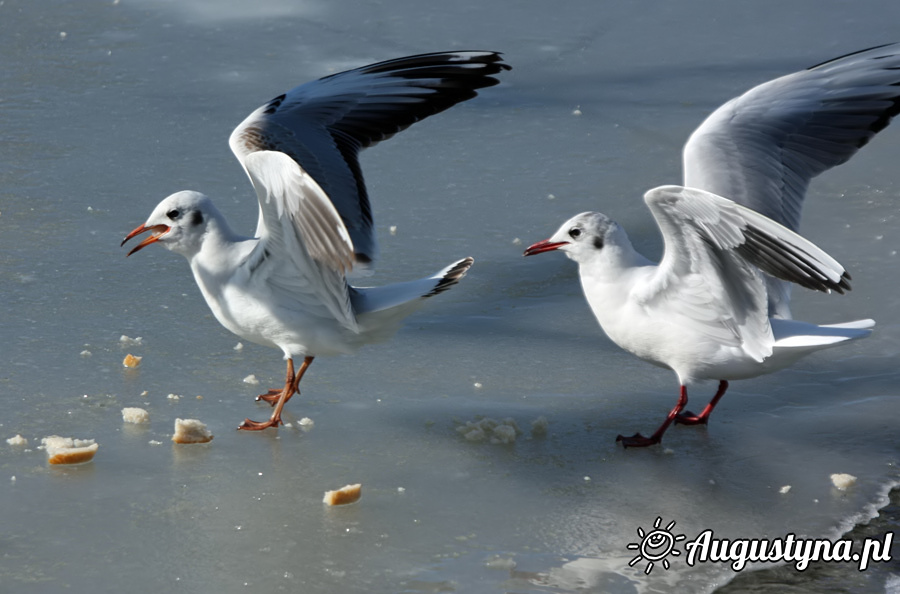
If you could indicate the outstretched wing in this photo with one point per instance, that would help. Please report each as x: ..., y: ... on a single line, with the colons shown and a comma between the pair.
x: 322, y: 125
x: 714, y: 252
x: 762, y: 149
x: 304, y: 249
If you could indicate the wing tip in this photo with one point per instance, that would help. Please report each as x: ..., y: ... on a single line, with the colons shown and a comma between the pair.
x: 451, y: 276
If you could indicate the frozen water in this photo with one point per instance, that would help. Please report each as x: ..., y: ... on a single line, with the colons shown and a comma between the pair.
x: 107, y: 107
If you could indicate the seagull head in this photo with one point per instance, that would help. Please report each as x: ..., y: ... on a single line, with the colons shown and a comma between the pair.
x: 582, y: 238
x: 178, y: 222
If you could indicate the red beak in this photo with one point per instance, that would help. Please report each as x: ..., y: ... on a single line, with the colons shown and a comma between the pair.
x: 544, y: 246
x: 156, y: 230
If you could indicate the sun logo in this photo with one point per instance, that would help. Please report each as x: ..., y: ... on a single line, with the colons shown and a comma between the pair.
x: 655, y: 545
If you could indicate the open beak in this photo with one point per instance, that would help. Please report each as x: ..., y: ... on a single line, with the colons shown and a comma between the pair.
x: 544, y: 246
x: 156, y: 232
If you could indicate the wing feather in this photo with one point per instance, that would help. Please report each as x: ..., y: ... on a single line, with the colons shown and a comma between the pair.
x: 715, y: 251
x: 304, y: 250
x: 323, y: 124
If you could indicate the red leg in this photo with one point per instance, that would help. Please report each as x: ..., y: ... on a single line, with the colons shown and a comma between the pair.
x: 689, y: 418
x: 291, y: 386
x: 639, y: 441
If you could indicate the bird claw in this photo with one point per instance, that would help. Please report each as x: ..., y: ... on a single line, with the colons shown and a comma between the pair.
x: 638, y: 441
x: 271, y: 397
x: 249, y: 425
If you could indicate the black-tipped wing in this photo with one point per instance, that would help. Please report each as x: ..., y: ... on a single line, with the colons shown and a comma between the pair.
x: 322, y: 125
x: 714, y: 250
x: 762, y: 149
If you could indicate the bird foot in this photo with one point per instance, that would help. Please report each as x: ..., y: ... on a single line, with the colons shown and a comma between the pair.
x: 638, y: 441
x: 689, y: 418
x: 271, y: 396
x: 249, y: 425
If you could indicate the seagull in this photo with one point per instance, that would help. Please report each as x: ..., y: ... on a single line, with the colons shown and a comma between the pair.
x: 286, y: 286
x: 717, y: 305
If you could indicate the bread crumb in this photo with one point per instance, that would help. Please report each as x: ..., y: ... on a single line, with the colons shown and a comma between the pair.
x: 18, y: 440
x: 539, y: 427
x: 86, y: 353
x: 343, y: 496
x: 174, y: 397
x: 191, y: 431
x: 498, y: 432
x: 65, y: 450
x: 504, y: 434
x: 131, y: 361
x: 500, y: 562
x: 784, y: 490
x: 251, y: 379
x: 843, y: 481
x: 135, y: 415
x: 128, y: 341
x: 306, y: 424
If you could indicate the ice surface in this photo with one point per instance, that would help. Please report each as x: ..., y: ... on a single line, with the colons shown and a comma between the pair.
x: 137, y: 100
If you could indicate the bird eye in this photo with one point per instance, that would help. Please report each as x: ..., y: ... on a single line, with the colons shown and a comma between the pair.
x: 575, y: 232
x: 173, y: 214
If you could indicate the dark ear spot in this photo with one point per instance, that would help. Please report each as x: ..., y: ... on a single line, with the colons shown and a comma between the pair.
x: 598, y: 243
x: 196, y: 218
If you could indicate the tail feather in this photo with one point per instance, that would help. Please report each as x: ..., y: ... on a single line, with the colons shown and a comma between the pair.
x: 450, y: 276
x: 793, y: 334
x: 376, y: 299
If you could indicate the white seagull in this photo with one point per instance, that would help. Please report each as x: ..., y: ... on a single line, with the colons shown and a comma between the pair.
x: 286, y: 286
x: 717, y: 306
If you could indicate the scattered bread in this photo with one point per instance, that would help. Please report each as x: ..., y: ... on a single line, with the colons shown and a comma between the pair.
x: 135, y: 415
x: 18, y: 440
x: 65, y: 450
x: 191, y: 431
x: 842, y: 481
x: 343, y: 496
x: 131, y: 361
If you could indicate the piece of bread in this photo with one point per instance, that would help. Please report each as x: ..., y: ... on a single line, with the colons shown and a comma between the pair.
x: 191, y: 431
x: 65, y: 450
x: 135, y: 415
x: 344, y: 495
x: 130, y: 361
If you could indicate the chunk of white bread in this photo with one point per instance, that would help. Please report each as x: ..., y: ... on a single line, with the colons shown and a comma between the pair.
x: 343, y: 496
x: 66, y: 450
x: 191, y: 431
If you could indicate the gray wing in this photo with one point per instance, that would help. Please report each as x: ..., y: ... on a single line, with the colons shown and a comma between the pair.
x: 714, y: 252
x: 762, y: 149
x: 322, y: 125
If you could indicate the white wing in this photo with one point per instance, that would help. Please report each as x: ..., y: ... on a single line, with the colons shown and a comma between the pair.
x: 714, y: 251
x: 762, y: 149
x: 304, y: 249
x: 322, y: 125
